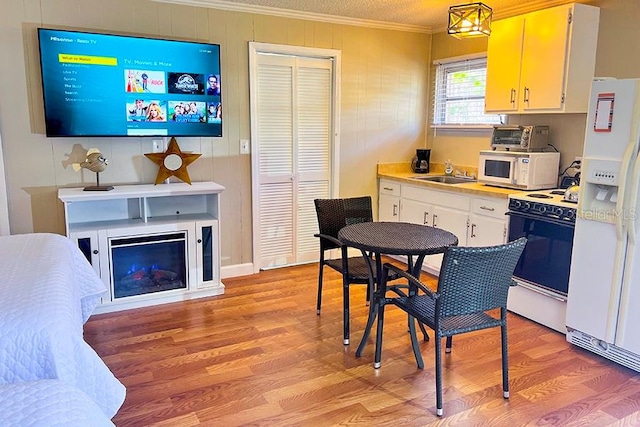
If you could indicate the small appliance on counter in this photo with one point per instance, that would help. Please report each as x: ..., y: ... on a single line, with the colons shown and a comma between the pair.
x: 519, y: 170
x: 520, y: 138
x: 420, y: 163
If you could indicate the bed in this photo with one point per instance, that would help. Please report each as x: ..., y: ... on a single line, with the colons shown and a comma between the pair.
x: 47, y: 293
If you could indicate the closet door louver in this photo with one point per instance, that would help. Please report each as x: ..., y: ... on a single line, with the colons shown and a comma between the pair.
x: 294, y: 121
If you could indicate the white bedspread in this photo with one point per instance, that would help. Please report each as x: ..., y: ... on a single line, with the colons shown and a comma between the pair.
x: 48, y: 403
x: 47, y: 292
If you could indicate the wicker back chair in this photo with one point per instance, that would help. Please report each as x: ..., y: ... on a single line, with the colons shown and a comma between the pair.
x: 472, y: 282
x: 334, y: 214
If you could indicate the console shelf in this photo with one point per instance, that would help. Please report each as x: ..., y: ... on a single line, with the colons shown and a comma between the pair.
x: 95, y: 219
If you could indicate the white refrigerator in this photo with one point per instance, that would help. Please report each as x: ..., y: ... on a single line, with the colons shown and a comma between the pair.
x: 603, y: 303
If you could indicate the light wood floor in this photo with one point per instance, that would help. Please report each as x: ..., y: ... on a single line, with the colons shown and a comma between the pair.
x: 259, y: 355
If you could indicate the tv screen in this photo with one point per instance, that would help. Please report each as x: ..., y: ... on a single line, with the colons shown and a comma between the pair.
x: 110, y: 85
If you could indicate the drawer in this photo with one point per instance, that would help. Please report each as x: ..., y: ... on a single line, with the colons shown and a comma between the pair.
x: 390, y: 188
x: 449, y: 199
x: 489, y: 207
x: 419, y: 194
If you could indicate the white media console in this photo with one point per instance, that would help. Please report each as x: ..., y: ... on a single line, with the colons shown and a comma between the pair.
x: 150, y: 244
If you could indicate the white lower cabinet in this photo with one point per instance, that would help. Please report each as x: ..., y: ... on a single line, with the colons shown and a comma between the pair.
x: 452, y: 220
x: 441, y: 209
x: 487, y: 222
x: 389, y: 201
x: 476, y: 221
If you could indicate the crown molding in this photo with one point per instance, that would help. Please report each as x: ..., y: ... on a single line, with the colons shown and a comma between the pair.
x: 520, y: 9
x: 295, y: 14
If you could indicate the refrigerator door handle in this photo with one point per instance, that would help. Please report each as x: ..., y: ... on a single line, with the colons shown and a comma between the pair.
x: 620, y: 203
x: 629, y: 212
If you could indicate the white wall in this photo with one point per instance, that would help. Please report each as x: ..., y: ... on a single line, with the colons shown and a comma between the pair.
x: 384, y: 92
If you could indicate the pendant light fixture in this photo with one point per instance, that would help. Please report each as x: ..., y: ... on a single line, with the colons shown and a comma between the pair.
x: 470, y: 20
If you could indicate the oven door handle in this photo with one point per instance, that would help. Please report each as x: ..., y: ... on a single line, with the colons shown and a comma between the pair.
x: 552, y: 220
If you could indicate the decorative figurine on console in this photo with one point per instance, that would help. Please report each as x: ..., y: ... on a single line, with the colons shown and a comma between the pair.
x: 95, y: 162
x: 173, y: 162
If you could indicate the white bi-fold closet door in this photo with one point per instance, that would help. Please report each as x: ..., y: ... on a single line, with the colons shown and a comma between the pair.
x: 292, y: 154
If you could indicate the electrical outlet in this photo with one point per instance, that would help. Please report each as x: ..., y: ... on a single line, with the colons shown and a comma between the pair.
x: 157, y: 146
x: 244, y: 146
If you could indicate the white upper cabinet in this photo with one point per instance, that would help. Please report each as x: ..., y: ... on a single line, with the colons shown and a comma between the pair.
x: 542, y: 62
x: 503, y: 65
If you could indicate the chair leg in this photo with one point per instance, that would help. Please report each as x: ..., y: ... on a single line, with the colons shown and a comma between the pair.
x: 368, y: 295
x: 439, y: 411
x: 378, y: 355
x: 319, y: 299
x: 414, y: 342
x: 447, y: 348
x: 345, y: 309
x: 425, y: 335
x: 505, y: 362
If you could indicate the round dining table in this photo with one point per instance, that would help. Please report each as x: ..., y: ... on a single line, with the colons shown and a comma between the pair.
x: 393, y: 238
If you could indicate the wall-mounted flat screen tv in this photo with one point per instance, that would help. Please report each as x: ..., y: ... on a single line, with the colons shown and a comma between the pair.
x: 111, y: 85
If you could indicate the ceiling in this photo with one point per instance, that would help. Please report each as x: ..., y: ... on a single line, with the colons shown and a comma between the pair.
x: 428, y: 16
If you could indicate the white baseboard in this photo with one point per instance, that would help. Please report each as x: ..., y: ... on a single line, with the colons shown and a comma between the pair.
x: 236, y: 270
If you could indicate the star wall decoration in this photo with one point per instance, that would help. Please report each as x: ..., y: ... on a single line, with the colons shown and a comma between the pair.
x: 173, y: 162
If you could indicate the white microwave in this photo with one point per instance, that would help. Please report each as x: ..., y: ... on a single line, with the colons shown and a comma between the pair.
x: 520, y: 170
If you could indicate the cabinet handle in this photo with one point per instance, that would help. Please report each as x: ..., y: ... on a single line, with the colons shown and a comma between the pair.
x: 512, y: 98
x: 95, y: 252
x: 395, y: 210
x: 425, y: 219
x: 526, y: 94
x: 387, y: 188
x: 473, y: 230
x: 484, y: 208
x: 435, y: 217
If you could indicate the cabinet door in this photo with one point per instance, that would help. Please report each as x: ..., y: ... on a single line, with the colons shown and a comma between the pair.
x: 486, y: 231
x: 503, y: 65
x: 544, y: 51
x: 87, y: 242
x: 388, y: 208
x: 451, y: 220
x: 416, y: 212
x: 207, y: 260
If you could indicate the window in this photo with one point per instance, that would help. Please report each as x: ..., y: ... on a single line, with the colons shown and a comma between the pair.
x: 459, y: 93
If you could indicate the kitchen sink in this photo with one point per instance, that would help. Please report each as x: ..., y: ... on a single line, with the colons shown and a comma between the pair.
x: 445, y: 179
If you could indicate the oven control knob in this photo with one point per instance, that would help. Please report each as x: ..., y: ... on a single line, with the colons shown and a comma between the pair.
x: 559, y: 212
x: 542, y: 209
x: 526, y: 206
x: 516, y: 204
x: 571, y: 214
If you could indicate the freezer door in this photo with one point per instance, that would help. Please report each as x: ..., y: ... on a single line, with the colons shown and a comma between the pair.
x: 627, y: 335
x: 612, y: 118
x: 597, y: 260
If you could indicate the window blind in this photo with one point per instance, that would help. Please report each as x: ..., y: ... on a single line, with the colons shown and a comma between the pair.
x: 459, y: 93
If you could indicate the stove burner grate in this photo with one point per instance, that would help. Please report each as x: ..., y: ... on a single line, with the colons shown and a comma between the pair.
x: 558, y: 192
x: 539, y: 196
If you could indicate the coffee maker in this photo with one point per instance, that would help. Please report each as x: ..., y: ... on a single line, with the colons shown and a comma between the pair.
x: 420, y: 163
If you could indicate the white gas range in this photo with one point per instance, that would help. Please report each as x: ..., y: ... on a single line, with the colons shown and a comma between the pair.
x: 547, y: 220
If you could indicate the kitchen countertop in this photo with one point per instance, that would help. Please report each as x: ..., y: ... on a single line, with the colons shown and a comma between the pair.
x: 402, y: 173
